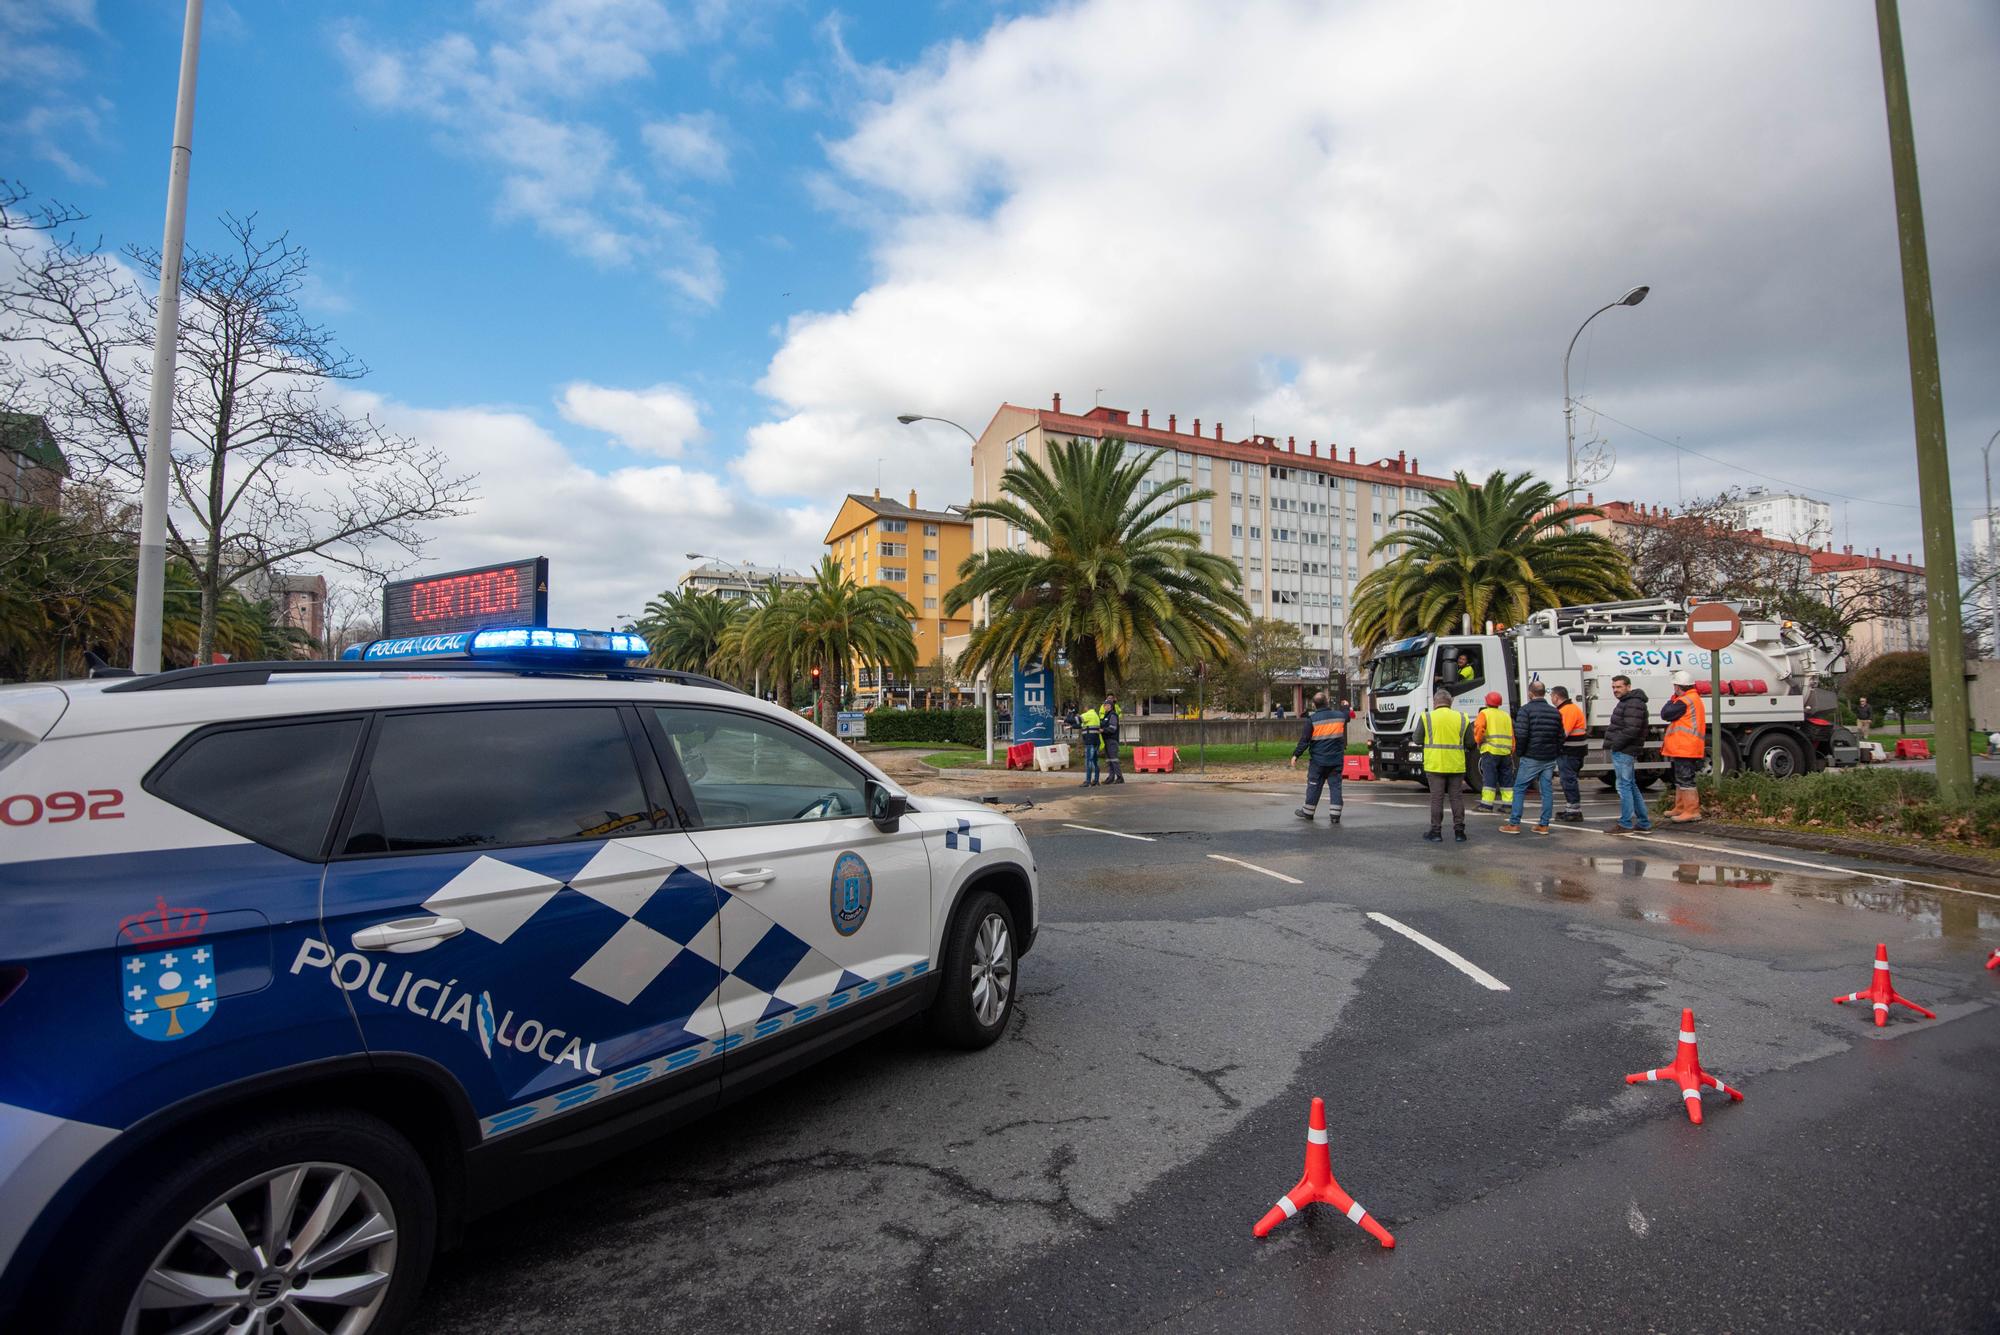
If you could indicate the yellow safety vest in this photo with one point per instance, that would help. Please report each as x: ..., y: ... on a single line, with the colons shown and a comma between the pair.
x: 1443, y: 733
x: 1466, y: 673
x: 1499, y: 738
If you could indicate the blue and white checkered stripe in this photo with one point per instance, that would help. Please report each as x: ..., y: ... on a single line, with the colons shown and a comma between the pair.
x: 962, y: 838
x: 695, y: 1054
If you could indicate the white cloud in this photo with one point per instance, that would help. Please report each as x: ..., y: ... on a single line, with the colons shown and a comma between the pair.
x: 517, y: 101
x: 690, y: 145
x: 613, y: 539
x: 39, y: 67
x: 662, y: 420
x: 1380, y: 224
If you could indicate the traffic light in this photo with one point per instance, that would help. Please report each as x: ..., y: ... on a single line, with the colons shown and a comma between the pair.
x: 815, y: 674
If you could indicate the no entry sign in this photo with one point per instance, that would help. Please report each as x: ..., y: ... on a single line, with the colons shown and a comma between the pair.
x: 1714, y: 626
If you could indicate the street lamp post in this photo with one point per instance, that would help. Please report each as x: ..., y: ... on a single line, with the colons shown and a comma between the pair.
x: 757, y: 669
x: 1632, y: 298
x: 1992, y: 573
x: 985, y: 604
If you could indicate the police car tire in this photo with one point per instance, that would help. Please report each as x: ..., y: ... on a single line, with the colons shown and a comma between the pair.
x: 953, y: 1018
x: 135, y: 1231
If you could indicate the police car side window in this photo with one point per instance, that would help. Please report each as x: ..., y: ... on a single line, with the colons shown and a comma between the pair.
x: 745, y: 770
x: 473, y: 778
x: 277, y: 783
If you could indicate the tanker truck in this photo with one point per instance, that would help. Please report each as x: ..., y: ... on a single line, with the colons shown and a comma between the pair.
x: 1771, y: 705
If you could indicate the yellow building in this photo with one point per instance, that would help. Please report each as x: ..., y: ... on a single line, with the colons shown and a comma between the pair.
x: 917, y: 553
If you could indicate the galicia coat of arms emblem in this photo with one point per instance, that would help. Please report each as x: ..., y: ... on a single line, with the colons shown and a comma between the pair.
x: 851, y: 894
x: 166, y: 986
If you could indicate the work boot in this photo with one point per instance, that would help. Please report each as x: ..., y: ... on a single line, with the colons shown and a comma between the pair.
x: 1334, y: 816
x: 1509, y: 827
x: 1304, y: 813
x: 1687, y: 806
x: 1458, y: 833
x: 1431, y: 836
x: 1541, y: 829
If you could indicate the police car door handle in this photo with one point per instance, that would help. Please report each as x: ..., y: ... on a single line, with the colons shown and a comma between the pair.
x: 407, y: 935
x: 746, y: 878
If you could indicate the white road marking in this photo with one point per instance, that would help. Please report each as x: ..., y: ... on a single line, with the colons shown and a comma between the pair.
x: 1115, y: 834
x: 1274, y: 875
x: 1445, y: 953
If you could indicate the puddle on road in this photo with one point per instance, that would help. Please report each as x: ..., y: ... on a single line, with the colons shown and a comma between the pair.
x: 1942, y: 911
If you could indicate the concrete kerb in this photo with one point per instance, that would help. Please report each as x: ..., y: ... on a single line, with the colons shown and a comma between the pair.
x: 1033, y: 777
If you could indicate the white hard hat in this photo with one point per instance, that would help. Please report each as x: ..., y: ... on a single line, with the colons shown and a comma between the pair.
x: 1683, y: 678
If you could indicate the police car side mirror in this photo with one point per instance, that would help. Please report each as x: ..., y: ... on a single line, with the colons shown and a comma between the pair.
x: 886, y: 808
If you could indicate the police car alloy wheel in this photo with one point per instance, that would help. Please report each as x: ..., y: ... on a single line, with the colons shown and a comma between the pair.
x: 320, y: 1222
x: 977, y: 995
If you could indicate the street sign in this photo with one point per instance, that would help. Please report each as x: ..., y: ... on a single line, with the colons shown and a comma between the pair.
x: 1714, y: 626
x: 1034, y: 704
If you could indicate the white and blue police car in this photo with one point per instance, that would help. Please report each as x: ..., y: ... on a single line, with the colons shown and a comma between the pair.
x: 304, y: 964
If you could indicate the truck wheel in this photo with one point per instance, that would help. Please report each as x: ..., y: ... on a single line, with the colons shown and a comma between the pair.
x: 977, y: 992
x: 315, y: 1221
x: 1778, y: 754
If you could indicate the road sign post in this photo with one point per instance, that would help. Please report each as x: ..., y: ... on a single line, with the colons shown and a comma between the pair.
x: 1714, y: 627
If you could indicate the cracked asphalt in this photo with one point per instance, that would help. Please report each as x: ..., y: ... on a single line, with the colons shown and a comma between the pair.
x: 1102, y: 1165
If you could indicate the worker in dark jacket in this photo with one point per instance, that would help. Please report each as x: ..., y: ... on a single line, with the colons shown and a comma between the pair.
x: 1108, y: 719
x: 1538, y: 744
x: 1625, y: 739
x: 1576, y: 745
x: 1324, y: 736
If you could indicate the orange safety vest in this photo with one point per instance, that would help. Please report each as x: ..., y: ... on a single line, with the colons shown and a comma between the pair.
x: 1684, y: 734
x: 1330, y: 729
x: 1574, y: 725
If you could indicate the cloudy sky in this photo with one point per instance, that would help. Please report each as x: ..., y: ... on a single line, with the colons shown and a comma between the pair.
x: 663, y: 273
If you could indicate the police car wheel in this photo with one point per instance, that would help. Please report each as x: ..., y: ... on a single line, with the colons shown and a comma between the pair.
x: 977, y: 994
x: 321, y: 1221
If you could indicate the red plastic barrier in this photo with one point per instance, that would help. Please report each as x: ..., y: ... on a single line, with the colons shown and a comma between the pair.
x: 1913, y: 748
x: 1357, y: 767
x: 1021, y: 755
x: 1154, y: 759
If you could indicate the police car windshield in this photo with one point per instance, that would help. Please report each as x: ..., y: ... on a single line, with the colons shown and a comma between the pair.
x: 1394, y: 674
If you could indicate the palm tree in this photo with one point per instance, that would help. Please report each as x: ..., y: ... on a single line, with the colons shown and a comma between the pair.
x: 756, y: 645
x: 834, y: 621
x: 1109, y: 578
x: 685, y: 631
x: 1494, y: 552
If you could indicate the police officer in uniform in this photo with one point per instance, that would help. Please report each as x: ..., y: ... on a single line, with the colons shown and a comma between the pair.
x: 1687, y: 726
x: 1091, y: 724
x: 1107, y: 722
x: 1442, y: 732
x: 1493, y: 731
x: 1325, y: 736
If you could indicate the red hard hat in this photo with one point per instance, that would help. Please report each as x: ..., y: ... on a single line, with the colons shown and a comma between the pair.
x: 1493, y: 699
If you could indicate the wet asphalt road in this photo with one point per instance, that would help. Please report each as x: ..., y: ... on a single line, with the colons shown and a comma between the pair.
x: 1102, y: 1165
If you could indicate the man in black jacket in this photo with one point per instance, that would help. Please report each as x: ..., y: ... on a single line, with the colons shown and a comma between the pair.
x: 1538, y: 744
x: 1325, y: 736
x: 1625, y: 739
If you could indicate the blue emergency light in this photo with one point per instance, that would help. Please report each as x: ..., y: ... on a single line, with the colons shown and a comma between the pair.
x: 541, y: 646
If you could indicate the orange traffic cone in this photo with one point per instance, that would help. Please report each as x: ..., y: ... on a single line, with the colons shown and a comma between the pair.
x: 1993, y: 960
x: 1318, y: 1185
x: 1686, y: 1071
x: 1881, y: 992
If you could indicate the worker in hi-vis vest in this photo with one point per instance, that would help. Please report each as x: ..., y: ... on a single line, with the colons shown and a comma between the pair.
x: 1091, y: 724
x: 1576, y: 740
x: 1325, y: 736
x: 1686, y: 740
x: 1442, y: 733
x: 1493, y: 733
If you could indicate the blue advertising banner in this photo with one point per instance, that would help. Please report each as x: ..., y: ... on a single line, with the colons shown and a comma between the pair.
x: 1034, y: 704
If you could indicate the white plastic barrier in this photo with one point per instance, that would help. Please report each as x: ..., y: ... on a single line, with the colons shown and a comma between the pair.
x: 1052, y: 757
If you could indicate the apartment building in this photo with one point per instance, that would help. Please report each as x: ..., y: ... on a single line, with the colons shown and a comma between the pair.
x: 1784, y: 515
x: 735, y: 582
x: 32, y: 466
x: 1298, y: 521
x: 917, y: 553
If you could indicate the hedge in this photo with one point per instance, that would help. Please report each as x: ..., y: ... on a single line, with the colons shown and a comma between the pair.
x: 964, y: 726
x: 1884, y: 801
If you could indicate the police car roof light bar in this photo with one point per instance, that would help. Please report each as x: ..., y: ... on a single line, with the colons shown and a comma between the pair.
x: 257, y: 674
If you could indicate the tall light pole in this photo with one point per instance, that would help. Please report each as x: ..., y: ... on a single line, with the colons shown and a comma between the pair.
x: 148, y: 597
x: 756, y: 671
x: 1992, y: 572
x: 1632, y: 298
x: 985, y: 604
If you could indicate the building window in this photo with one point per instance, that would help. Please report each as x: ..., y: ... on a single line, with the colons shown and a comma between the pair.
x: 1254, y: 532
x: 930, y: 577
x: 895, y: 574
x: 1236, y: 530
x: 1236, y: 465
x: 892, y: 549
x: 1205, y: 526
x: 930, y: 604
x: 930, y: 553
x: 930, y: 530
x: 895, y: 526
